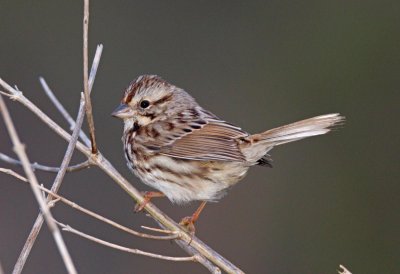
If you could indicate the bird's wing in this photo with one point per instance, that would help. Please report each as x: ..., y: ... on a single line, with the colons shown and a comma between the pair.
x: 206, y: 139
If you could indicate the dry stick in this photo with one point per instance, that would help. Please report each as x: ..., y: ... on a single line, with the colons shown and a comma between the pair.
x: 1, y: 269
x: 23, y: 256
x: 126, y: 249
x: 19, y: 149
x: 60, y: 175
x: 107, y: 167
x: 343, y: 270
x: 64, y: 200
x: 15, y: 174
x: 36, y: 166
x: 88, y: 103
x: 62, y: 110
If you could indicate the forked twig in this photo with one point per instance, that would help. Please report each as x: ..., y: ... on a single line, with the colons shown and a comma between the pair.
x: 126, y: 249
x: 68, y: 228
x: 62, y: 110
x: 60, y: 175
x: 173, y: 234
x: 36, y: 166
x: 19, y: 149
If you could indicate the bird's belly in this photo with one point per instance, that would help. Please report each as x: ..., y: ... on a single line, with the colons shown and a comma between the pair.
x: 183, y: 181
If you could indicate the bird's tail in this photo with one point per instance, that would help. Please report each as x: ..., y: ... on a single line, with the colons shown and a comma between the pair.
x: 263, y: 142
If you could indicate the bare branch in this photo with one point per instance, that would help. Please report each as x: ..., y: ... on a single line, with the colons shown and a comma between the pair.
x: 6, y: 94
x: 126, y: 249
x: 157, y: 229
x: 60, y: 107
x: 1, y: 269
x: 57, y: 181
x: 173, y: 234
x: 13, y: 173
x: 88, y: 102
x: 62, y: 110
x: 19, y: 149
x: 36, y: 166
x: 343, y: 270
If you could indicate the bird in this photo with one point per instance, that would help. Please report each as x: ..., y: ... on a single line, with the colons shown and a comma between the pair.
x: 186, y: 152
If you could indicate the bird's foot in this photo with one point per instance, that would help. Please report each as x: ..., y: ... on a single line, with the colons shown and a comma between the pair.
x: 188, y: 224
x: 147, y: 196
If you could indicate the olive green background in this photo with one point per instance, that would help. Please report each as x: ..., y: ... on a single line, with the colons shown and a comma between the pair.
x: 328, y: 200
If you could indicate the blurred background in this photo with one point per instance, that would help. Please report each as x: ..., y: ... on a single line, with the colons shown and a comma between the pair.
x: 328, y: 200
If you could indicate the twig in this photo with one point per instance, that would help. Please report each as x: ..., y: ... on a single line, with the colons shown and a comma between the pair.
x: 19, y: 149
x: 173, y: 234
x: 206, y: 262
x: 157, y: 229
x: 88, y: 102
x: 58, y: 180
x: 62, y: 110
x: 126, y: 249
x: 36, y: 166
x: 13, y: 173
x: 1, y: 269
x: 60, y: 107
x: 343, y: 270
x: 107, y: 167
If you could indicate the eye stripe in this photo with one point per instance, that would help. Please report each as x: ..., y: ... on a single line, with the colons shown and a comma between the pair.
x: 164, y: 99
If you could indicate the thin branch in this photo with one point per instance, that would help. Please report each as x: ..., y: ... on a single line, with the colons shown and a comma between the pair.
x: 157, y: 229
x: 58, y: 180
x: 19, y: 265
x: 173, y: 234
x: 343, y: 270
x: 6, y: 94
x: 1, y: 269
x: 14, y: 174
x: 60, y: 107
x: 36, y: 166
x: 88, y: 102
x: 126, y: 249
x: 62, y: 110
x: 19, y: 149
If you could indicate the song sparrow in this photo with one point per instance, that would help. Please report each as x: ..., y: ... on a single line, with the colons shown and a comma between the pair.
x: 186, y: 152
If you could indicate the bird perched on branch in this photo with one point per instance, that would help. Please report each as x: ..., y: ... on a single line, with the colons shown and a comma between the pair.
x: 189, y: 154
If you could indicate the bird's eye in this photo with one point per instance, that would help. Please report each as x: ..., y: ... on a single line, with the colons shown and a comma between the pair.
x: 144, y: 104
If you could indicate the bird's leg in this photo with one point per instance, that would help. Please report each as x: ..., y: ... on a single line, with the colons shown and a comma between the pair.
x: 147, y: 195
x: 188, y: 222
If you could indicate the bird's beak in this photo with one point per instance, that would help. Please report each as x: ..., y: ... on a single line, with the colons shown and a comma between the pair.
x: 122, y: 111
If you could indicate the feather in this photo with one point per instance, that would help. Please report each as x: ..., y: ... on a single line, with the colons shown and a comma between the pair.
x: 215, y: 140
x: 195, y: 135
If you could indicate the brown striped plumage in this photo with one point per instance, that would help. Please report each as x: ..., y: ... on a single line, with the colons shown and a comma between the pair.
x: 175, y: 146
